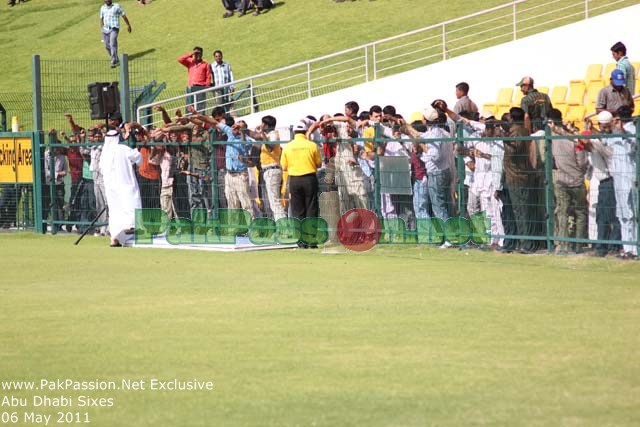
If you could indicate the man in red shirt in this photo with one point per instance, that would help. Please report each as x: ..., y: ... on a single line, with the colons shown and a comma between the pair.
x: 199, y: 74
x: 75, y: 167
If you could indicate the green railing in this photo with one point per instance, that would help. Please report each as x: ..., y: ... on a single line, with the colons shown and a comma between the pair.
x: 458, y: 227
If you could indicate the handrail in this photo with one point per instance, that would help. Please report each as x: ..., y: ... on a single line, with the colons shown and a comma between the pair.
x: 278, y: 87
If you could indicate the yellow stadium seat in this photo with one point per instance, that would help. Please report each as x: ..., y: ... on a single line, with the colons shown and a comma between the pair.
x: 594, y: 72
x: 591, y: 107
x: 607, y: 71
x: 490, y: 107
x: 562, y: 107
x: 636, y: 66
x: 543, y: 89
x: 505, y: 106
x: 501, y: 111
x: 517, y: 100
x: 558, y: 94
x: 593, y: 88
x: 636, y: 108
x: 504, y: 96
x: 576, y: 92
x: 575, y: 113
x: 637, y: 86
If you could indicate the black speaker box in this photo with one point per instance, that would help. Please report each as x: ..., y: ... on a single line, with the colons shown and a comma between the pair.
x: 104, y: 99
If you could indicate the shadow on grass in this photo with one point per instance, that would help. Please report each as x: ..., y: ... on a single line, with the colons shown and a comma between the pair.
x: 68, y: 24
x: 141, y: 54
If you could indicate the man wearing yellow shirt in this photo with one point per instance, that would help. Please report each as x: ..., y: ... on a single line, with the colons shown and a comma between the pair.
x: 270, y: 163
x: 369, y: 132
x: 301, y: 159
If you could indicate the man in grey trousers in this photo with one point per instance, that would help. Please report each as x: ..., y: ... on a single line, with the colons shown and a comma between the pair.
x: 110, y: 14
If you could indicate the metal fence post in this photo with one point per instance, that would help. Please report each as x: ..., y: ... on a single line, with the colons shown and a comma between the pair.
x: 214, y: 174
x: 637, y: 213
x: 125, y: 102
x: 548, y: 186
x: 37, y: 93
x: 52, y: 181
x: 376, y: 172
x: 36, y: 144
x: 3, y: 119
x: 460, y: 168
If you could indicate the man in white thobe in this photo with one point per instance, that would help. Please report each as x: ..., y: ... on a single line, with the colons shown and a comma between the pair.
x: 121, y: 186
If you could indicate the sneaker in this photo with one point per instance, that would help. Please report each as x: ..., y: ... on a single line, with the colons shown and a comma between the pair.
x: 446, y: 245
x: 627, y: 256
x: 227, y: 14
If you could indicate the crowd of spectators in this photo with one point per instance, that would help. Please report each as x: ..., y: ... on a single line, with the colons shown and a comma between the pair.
x: 504, y: 173
x: 195, y: 163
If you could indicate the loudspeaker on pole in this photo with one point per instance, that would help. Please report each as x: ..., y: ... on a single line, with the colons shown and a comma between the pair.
x: 104, y: 99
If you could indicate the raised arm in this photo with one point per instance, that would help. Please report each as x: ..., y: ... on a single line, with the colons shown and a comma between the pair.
x: 195, y: 117
x: 74, y: 126
x: 186, y: 60
x: 165, y: 116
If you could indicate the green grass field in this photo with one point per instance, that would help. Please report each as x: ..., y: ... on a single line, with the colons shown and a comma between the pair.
x: 67, y: 36
x: 399, y: 336
x: 296, y: 30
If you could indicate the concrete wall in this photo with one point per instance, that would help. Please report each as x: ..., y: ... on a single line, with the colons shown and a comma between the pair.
x: 552, y: 58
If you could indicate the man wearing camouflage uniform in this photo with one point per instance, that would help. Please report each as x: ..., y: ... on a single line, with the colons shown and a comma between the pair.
x: 535, y: 104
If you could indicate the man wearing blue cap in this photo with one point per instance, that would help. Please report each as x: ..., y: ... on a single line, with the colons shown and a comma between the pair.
x: 615, y: 95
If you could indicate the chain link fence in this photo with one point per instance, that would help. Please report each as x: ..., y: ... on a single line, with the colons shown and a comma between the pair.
x: 551, y: 192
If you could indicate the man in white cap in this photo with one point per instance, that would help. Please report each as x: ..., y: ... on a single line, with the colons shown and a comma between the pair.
x: 121, y: 186
x: 600, y: 157
x: 487, y: 157
x: 437, y: 156
x: 623, y: 171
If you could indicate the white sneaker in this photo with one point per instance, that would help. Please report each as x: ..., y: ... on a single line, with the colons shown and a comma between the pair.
x: 446, y: 245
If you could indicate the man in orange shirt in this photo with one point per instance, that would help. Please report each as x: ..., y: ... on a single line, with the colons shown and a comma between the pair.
x: 199, y: 76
